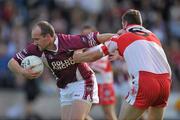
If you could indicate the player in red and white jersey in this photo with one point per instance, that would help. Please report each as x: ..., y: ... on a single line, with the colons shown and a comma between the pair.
x: 104, y: 77
x: 147, y: 65
x: 76, y: 82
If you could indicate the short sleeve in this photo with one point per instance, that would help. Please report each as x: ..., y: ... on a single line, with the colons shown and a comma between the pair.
x: 31, y: 49
x: 74, y: 42
x: 112, y: 44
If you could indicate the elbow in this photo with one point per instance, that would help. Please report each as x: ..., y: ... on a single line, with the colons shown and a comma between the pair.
x: 9, y: 63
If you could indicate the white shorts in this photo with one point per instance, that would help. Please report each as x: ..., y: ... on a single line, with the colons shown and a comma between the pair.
x: 85, y: 90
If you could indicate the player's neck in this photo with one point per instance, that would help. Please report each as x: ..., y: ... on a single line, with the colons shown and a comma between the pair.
x: 52, y: 46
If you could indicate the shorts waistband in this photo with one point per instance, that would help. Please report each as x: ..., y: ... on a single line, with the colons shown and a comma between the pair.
x: 157, y: 75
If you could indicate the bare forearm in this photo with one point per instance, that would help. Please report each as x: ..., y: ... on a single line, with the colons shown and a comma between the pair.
x: 28, y: 73
x: 104, y: 37
x: 90, y: 55
x: 14, y: 66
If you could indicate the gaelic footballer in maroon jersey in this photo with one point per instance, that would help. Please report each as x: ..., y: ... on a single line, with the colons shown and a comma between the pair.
x: 77, y: 83
x: 60, y: 61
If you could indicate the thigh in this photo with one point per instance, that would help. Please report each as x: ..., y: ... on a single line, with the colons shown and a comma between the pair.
x: 65, y: 96
x: 129, y: 112
x: 66, y: 112
x: 80, y: 109
x: 155, y: 113
x: 86, y: 90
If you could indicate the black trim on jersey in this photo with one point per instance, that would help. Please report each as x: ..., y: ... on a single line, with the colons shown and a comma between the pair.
x: 138, y: 31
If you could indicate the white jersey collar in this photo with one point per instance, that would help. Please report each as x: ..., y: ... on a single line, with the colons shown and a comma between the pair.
x: 132, y: 26
x: 136, y: 27
x: 56, y: 44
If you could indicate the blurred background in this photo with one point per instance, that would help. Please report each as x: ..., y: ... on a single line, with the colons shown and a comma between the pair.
x: 38, y: 99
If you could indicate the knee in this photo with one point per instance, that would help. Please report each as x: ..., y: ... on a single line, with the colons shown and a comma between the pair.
x: 110, y: 115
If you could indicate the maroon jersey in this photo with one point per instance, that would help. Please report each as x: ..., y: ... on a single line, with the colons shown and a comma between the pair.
x: 60, y: 61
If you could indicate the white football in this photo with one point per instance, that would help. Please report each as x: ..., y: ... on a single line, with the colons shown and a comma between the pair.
x: 34, y: 61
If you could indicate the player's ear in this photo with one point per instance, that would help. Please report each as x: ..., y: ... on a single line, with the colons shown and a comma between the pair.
x: 124, y: 24
x: 48, y: 36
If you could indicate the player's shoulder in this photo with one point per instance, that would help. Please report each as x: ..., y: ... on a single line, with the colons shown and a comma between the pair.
x: 65, y: 37
x: 122, y: 36
x: 32, y: 46
x: 126, y: 34
x: 61, y: 35
x: 115, y: 37
x: 33, y: 49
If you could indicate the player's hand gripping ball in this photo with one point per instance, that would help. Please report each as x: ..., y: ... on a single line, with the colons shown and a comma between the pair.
x: 33, y: 62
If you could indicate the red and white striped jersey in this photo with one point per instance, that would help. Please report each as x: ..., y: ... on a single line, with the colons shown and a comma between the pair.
x: 141, y: 50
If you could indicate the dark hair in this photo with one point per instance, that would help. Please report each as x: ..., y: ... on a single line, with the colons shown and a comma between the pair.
x: 132, y: 17
x: 46, y: 28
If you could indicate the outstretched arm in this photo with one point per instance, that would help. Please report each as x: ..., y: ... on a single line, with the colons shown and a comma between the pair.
x: 90, y: 55
x: 104, y: 37
x: 94, y: 53
x: 75, y: 42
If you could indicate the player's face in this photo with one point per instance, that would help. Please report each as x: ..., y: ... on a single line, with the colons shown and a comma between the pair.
x: 40, y: 40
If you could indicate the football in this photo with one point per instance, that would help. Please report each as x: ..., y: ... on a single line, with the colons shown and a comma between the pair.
x: 33, y: 61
